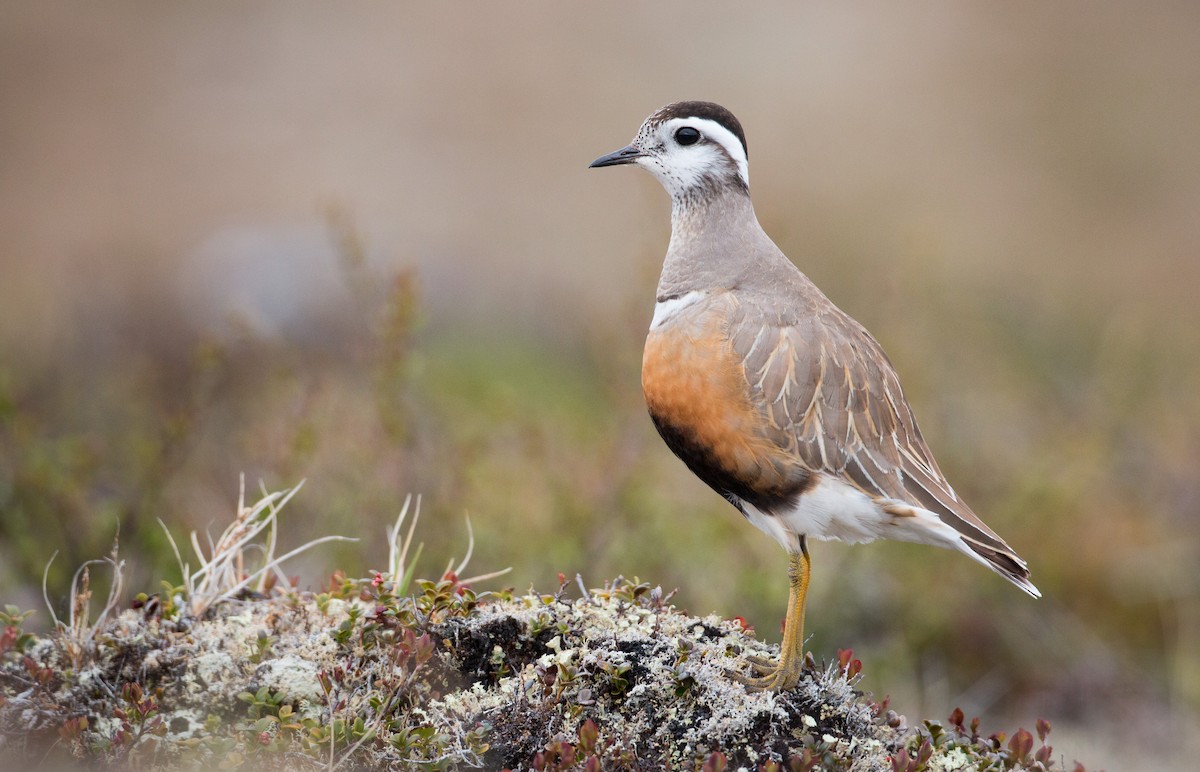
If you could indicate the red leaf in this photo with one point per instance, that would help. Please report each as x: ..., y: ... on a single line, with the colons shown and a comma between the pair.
x: 716, y: 762
x: 1021, y: 744
x: 588, y: 734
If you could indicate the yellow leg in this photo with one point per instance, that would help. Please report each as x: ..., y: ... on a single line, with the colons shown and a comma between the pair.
x: 787, y: 672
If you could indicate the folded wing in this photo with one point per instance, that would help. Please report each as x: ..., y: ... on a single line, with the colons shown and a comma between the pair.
x: 832, y: 398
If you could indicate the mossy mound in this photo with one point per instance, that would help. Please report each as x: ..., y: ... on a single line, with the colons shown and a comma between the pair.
x: 649, y: 684
x: 365, y: 677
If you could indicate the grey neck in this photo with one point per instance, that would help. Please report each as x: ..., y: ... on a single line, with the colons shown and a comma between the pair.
x: 717, y: 243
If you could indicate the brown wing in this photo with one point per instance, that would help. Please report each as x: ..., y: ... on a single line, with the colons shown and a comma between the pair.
x: 833, y: 399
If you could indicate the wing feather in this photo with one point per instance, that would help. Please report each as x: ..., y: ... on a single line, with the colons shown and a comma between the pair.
x: 832, y: 397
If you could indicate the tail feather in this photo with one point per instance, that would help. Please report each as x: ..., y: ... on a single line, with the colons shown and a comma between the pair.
x: 912, y: 523
x: 1007, y: 564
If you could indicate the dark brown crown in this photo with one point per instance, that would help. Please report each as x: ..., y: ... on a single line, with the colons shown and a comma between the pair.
x: 708, y: 110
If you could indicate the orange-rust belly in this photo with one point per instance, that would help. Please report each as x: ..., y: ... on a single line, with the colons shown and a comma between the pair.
x: 699, y: 399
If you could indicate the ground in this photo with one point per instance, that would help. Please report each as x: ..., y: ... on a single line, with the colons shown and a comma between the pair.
x: 362, y: 676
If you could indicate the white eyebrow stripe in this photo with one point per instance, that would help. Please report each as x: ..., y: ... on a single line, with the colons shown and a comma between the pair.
x: 722, y: 136
x: 667, y: 308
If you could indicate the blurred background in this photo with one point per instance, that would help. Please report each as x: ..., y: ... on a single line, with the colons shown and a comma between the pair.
x: 359, y: 245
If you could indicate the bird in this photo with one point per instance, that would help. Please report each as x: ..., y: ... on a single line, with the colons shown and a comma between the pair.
x: 772, y: 395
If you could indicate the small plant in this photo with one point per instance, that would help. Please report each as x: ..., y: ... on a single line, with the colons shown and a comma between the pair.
x: 138, y: 714
x: 964, y: 743
x: 262, y: 647
x: 617, y: 676
x: 400, y: 567
x: 167, y: 603
x: 223, y: 572
x: 901, y: 762
x: 562, y: 755
x: 72, y: 729
x: 684, y: 681
x: 263, y: 702
x: 12, y: 637
x: 848, y: 666
x: 78, y: 633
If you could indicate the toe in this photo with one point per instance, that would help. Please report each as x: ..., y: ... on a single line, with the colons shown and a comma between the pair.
x: 762, y: 663
x: 753, y: 684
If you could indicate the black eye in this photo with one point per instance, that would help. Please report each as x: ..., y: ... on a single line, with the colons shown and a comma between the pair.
x: 687, y: 136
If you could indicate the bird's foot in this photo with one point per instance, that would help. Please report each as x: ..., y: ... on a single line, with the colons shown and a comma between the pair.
x: 773, y: 676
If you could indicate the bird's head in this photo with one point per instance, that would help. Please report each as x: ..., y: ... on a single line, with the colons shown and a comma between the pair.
x: 695, y: 149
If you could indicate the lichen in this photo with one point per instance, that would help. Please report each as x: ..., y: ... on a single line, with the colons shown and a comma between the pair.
x: 654, y: 680
x: 372, y: 678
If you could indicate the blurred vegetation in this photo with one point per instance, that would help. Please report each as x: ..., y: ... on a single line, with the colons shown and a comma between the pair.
x: 1064, y: 423
x: 1005, y: 194
x: 1061, y: 423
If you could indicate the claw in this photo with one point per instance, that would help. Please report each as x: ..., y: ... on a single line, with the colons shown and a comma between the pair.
x: 772, y: 676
